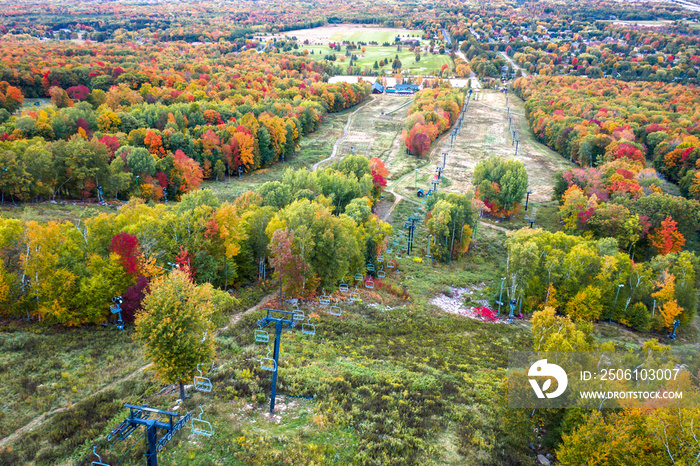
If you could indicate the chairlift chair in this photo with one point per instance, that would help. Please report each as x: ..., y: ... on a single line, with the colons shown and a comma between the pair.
x: 355, y: 296
x: 343, y: 287
x: 99, y: 459
x: 324, y: 299
x: 391, y: 264
x: 380, y: 258
x: 358, y: 276
x: 267, y: 363
x: 381, y: 273
x: 298, y: 315
x: 261, y: 336
x: 307, y: 328
x: 370, y: 266
x: 200, y: 426
x: 335, y: 310
x: 389, y: 251
x: 369, y: 284
x: 201, y: 383
x: 397, y: 255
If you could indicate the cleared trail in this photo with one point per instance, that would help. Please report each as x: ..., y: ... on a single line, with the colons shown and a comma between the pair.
x: 342, y: 138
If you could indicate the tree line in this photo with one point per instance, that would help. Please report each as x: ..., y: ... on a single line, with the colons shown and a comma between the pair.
x: 313, y: 228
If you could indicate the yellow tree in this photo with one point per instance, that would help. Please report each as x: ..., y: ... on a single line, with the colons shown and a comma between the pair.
x: 246, y: 147
x: 669, y: 308
x: 553, y: 333
x: 175, y: 327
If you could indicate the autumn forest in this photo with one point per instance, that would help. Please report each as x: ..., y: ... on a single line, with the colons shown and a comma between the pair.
x: 324, y: 232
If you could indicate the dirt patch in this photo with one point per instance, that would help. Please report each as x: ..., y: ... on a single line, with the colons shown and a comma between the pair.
x: 454, y: 303
x: 340, y: 32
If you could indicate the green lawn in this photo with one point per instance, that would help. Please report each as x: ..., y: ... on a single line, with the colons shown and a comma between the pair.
x: 428, y: 63
x: 368, y: 35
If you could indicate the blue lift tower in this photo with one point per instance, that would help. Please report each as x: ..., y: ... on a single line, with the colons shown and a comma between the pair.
x: 140, y: 416
x: 281, y: 320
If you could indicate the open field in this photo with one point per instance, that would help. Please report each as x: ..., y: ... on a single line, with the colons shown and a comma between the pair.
x: 375, y: 135
x: 36, y: 378
x: 428, y: 63
x: 348, y: 32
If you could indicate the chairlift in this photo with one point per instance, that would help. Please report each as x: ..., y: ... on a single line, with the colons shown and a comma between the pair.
x: 307, y: 328
x: 298, y: 315
x: 343, y: 287
x: 369, y: 284
x: 200, y: 426
x: 358, y: 276
x: 335, y: 310
x: 267, y: 363
x: 355, y: 296
x: 404, y: 248
x: 324, y: 299
x: 99, y: 459
x: 380, y: 258
x: 261, y: 336
x: 381, y: 273
x: 201, y: 383
x: 370, y: 266
x: 389, y: 251
x: 391, y: 264
x: 397, y: 255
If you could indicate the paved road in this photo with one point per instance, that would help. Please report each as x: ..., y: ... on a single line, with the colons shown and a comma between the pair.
x: 515, y: 66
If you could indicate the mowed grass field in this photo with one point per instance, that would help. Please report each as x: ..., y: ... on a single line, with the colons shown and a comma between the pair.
x: 428, y: 63
x: 370, y: 35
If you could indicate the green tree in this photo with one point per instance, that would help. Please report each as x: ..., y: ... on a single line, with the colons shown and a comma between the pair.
x: 175, y: 327
x: 275, y: 194
x: 502, y: 183
x: 139, y: 160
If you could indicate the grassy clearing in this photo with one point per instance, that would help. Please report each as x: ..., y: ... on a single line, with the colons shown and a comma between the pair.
x: 390, y: 367
x: 485, y: 133
x: 546, y: 217
x: 36, y: 378
x: 59, y: 212
x: 371, y: 35
x: 428, y: 64
x: 373, y: 134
